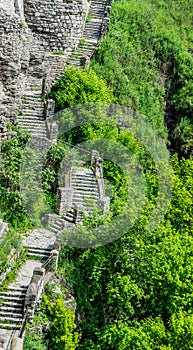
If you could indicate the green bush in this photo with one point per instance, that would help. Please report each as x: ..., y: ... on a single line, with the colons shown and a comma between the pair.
x: 33, y: 341
x: 79, y: 86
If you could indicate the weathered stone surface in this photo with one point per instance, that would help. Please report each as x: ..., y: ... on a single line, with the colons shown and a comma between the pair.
x: 3, y: 228
x: 63, y: 20
x: 32, y: 33
x: 17, y: 344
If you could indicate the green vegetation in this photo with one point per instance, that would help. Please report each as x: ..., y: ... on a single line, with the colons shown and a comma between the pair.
x: 89, y: 17
x: 82, y: 42
x: 22, y: 25
x: 146, y: 57
x: 14, y: 268
x: 79, y: 87
x: 11, y: 205
x: 19, y: 188
x: 33, y: 341
x: 136, y: 292
x: 56, y: 321
x: 9, y: 243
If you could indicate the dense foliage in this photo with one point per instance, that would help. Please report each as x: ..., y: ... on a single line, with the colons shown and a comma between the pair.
x: 136, y: 292
x: 79, y: 87
x: 147, y: 59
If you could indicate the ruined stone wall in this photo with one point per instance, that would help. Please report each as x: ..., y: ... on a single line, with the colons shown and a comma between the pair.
x: 11, y: 48
x: 7, y: 5
x: 30, y: 30
x: 58, y: 24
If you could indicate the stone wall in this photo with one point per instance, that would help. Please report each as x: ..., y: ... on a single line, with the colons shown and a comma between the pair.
x: 30, y: 30
x: 7, y: 5
x: 58, y: 24
x: 10, y: 55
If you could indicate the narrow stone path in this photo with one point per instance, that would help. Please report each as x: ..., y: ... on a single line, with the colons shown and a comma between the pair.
x: 25, y: 274
x: 39, y: 242
x: 32, y: 117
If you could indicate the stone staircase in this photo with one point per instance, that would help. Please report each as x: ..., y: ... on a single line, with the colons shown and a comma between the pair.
x: 85, y: 188
x: 39, y: 253
x: 31, y: 118
x: 11, y: 307
x: 91, y: 34
x: 85, y: 195
x: 40, y: 243
x: 84, y: 182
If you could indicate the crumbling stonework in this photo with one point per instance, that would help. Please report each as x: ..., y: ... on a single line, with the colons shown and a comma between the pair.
x: 32, y: 33
x: 57, y: 24
x: 3, y: 228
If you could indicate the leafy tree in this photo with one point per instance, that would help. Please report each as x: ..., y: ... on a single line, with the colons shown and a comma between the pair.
x: 79, y: 86
x: 62, y: 335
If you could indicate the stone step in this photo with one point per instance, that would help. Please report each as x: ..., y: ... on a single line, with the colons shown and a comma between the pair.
x: 93, y: 24
x: 21, y: 289
x: 11, y: 319
x: 33, y: 103
x: 85, y: 191
x: 82, y: 185
x: 84, y: 198
x: 88, y: 184
x: 81, y: 179
x: 56, y: 228
x: 85, y: 201
x: 38, y: 252
x: 85, y: 51
x: 15, y: 309
x: 72, y: 62
x: 33, y: 93
x: 15, y: 304
x: 33, y: 112
x: 69, y: 219
x: 86, y: 46
x: 10, y: 326
x: 89, y: 32
x: 37, y: 249
x: 8, y: 298
x: 29, y: 126
x: 34, y: 130
x: 93, y: 35
x: 98, y: 8
x: 7, y: 315
x: 13, y: 294
x: 98, y: 12
x: 31, y: 120
x: 83, y: 172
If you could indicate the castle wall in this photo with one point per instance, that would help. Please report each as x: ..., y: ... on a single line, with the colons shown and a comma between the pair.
x: 10, y: 58
x: 8, y: 6
x: 29, y: 30
x: 58, y: 24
